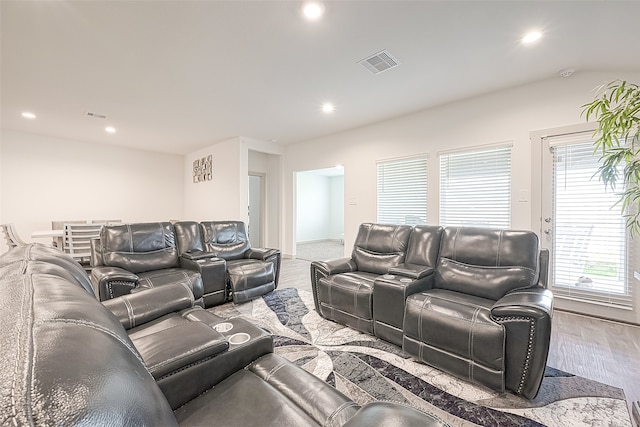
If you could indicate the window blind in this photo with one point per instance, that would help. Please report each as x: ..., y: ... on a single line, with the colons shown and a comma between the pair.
x: 475, y: 188
x: 591, y: 246
x: 402, y: 191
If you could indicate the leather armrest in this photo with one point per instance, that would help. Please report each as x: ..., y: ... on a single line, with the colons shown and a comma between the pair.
x: 110, y: 282
x: 413, y: 271
x: 174, y: 348
x: 533, y: 302
x: 335, y: 266
x: 196, y: 255
x: 138, y: 308
x: 390, y: 414
x: 526, y: 315
x: 262, y: 254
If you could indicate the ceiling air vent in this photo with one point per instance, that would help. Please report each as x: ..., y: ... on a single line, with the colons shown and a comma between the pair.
x: 96, y: 115
x: 381, y: 61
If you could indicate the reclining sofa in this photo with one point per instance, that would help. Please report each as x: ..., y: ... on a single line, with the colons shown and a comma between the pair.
x: 150, y: 358
x: 213, y: 258
x: 469, y: 301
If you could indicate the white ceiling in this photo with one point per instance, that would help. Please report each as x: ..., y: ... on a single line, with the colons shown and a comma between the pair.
x: 177, y: 76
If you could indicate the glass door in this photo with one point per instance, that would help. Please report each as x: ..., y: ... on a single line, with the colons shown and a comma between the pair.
x: 592, y: 255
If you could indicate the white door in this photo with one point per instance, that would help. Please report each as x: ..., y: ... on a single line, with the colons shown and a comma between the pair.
x: 592, y: 262
x: 256, y: 189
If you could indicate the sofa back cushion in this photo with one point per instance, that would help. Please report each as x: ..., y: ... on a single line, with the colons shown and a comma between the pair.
x: 424, y: 244
x: 188, y: 237
x: 378, y: 247
x: 487, y: 263
x: 139, y: 247
x: 226, y: 239
x: 66, y: 358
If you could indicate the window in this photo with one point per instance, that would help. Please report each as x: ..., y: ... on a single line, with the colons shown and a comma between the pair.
x: 590, y: 243
x: 402, y: 191
x: 475, y: 188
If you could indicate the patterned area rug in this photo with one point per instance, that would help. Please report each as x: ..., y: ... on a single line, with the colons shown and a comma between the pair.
x: 366, y: 369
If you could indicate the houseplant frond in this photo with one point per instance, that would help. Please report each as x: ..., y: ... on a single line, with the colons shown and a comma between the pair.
x: 616, y: 108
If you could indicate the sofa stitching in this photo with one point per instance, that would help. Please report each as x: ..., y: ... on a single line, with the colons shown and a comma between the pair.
x: 127, y: 304
x: 273, y: 370
x: 474, y: 321
x: 130, y: 238
x: 337, y: 411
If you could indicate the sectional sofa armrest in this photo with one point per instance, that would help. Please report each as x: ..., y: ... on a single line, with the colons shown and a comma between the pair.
x: 334, y: 266
x: 196, y: 255
x: 526, y: 315
x: 263, y: 254
x: 173, y: 349
x: 321, y: 269
x: 533, y: 302
x: 412, y: 271
x: 110, y: 282
x: 138, y: 308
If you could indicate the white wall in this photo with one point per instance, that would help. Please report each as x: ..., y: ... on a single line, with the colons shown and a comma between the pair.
x: 312, y: 212
x: 508, y: 115
x: 336, y: 210
x: 46, y: 178
x: 225, y: 197
x: 221, y: 198
x: 320, y: 207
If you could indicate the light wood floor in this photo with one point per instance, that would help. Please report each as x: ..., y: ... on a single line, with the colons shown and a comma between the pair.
x: 600, y: 350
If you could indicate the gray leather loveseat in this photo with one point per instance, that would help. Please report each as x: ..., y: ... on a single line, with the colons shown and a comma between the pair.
x: 214, y: 258
x: 470, y: 301
x: 151, y: 358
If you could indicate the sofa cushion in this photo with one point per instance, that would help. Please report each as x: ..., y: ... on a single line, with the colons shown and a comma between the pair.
x: 225, y: 239
x: 190, y: 278
x: 379, y: 247
x: 139, y: 247
x: 454, y: 332
x: 487, y: 263
x: 348, y: 292
x: 280, y: 394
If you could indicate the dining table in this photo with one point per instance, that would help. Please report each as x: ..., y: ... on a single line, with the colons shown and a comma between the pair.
x: 56, y: 236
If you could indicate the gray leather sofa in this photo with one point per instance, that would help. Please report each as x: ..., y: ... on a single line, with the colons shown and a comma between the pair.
x: 148, y: 359
x: 470, y: 301
x: 132, y: 257
x: 214, y: 258
x: 242, y: 271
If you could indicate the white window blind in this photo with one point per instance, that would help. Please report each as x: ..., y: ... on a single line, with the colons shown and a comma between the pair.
x: 402, y: 191
x: 591, y: 246
x: 475, y: 188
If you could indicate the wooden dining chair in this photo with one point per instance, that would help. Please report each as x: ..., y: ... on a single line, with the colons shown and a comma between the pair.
x: 77, y: 241
x: 11, y: 236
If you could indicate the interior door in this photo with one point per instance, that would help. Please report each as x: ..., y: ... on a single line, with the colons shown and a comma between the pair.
x: 593, y: 258
x: 256, y: 189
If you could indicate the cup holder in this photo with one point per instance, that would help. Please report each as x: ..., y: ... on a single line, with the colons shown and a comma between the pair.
x: 388, y: 276
x: 223, y: 327
x: 239, y: 338
x: 406, y: 280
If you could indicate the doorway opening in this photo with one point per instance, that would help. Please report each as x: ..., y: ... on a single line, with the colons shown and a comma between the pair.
x: 320, y: 214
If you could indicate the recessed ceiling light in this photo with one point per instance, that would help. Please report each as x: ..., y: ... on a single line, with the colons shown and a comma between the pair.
x: 110, y: 129
x: 531, y: 37
x: 313, y: 10
x: 328, y: 108
x: 28, y: 115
